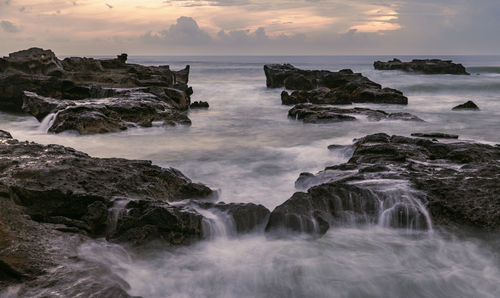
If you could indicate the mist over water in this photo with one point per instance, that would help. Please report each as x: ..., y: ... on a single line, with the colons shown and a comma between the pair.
x: 245, y: 147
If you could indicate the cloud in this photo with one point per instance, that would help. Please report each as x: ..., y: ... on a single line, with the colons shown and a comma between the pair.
x: 252, y: 26
x: 9, y: 27
x: 184, y: 32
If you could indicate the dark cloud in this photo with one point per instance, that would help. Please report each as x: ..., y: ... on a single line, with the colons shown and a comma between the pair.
x: 9, y: 27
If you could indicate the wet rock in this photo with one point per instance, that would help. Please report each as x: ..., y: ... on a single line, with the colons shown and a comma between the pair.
x: 322, y: 86
x: 247, y: 217
x: 30, y: 265
x: 320, y: 95
x: 41, y: 106
x: 437, y: 135
x: 467, y: 106
x: 60, y: 185
x: 146, y: 220
x: 426, y: 66
x: 126, y: 109
x: 199, y: 105
x: 37, y: 82
x: 311, y: 113
x: 5, y: 134
x: 398, y: 181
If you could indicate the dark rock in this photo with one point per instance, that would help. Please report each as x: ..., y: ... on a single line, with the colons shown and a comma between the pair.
x: 467, y: 106
x: 437, y: 135
x: 40, y: 106
x: 60, y: 185
x: 247, y: 217
x: 199, y: 105
x: 37, y: 82
x: 146, y: 220
x: 426, y: 66
x: 125, y: 109
x: 326, y: 87
x: 299, y: 82
x: 37, y: 260
x: 5, y: 134
x: 311, y: 113
x: 396, y: 181
x: 320, y: 95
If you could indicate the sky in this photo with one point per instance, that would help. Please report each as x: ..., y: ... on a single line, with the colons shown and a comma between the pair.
x: 252, y: 27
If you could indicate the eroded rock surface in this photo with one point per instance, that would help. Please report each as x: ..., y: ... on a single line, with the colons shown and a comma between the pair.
x: 311, y: 113
x: 110, y: 92
x: 54, y: 196
x: 425, y: 66
x: 401, y: 182
x: 322, y: 86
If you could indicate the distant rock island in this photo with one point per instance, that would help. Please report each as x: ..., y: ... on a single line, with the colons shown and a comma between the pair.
x: 90, y: 95
x: 425, y: 66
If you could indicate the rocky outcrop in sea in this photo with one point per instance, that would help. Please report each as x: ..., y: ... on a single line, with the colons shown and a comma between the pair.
x: 424, y: 66
x: 56, y: 192
x: 400, y: 182
x: 90, y: 95
x: 327, y: 87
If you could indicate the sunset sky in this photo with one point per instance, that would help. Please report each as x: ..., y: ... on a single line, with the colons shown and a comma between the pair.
x: 259, y: 27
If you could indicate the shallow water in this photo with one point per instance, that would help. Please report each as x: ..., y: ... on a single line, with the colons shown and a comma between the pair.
x: 246, y: 147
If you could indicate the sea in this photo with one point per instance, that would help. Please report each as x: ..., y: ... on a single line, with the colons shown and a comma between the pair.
x: 245, y: 147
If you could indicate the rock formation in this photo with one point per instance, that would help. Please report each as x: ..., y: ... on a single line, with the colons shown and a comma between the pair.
x: 393, y: 181
x: 322, y: 86
x: 425, y: 66
x: 469, y: 105
x: 312, y: 113
x: 110, y: 92
x: 51, y: 192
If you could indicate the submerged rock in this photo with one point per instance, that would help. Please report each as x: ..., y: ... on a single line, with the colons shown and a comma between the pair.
x: 199, y: 105
x: 37, y: 82
x: 399, y: 182
x: 311, y: 113
x: 437, y: 135
x: 470, y: 105
x: 425, y: 66
x: 326, y: 87
x: 5, y: 134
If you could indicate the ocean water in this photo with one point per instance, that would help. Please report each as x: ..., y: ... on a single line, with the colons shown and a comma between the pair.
x: 245, y: 147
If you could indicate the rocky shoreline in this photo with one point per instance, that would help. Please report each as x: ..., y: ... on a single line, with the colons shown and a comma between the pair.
x: 124, y: 201
x: 389, y: 180
x: 54, y: 198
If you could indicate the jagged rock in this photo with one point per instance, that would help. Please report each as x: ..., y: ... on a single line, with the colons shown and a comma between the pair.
x: 470, y: 105
x: 322, y: 86
x: 320, y: 95
x: 310, y: 113
x: 5, y: 134
x: 394, y: 181
x: 247, y: 217
x: 128, y: 108
x: 33, y: 73
x: 38, y: 260
x: 199, y: 105
x: 437, y: 135
x: 41, y: 106
x: 63, y: 186
x: 426, y: 66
